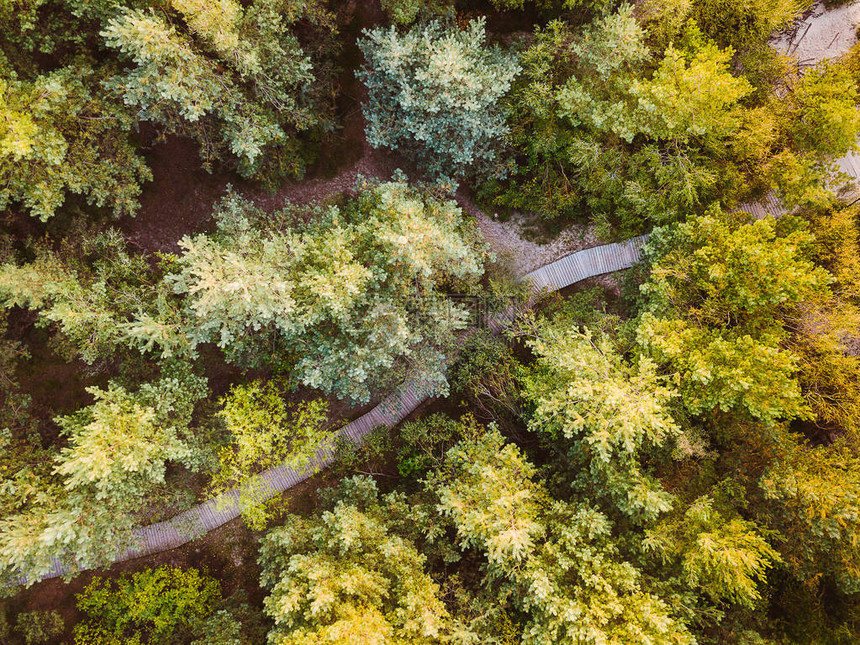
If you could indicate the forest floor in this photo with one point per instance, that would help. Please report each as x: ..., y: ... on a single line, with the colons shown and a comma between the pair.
x: 180, y: 200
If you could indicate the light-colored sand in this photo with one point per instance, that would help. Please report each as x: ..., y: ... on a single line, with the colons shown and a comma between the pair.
x: 821, y: 34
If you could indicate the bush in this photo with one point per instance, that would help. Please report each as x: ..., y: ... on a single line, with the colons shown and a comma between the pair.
x: 487, y: 374
x: 152, y: 606
x: 38, y: 627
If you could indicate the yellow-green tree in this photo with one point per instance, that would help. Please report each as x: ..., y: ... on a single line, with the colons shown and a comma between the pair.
x: 346, y: 576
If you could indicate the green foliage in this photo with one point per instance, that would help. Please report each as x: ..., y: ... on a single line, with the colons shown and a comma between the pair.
x: 119, y: 446
x: 405, y: 12
x: 369, y: 457
x: 717, y: 299
x: 100, y: 296
x: 78, y: 77
x: 818, y: 123
x: 489, y: 493
x: 815, y: 123
x: 265, y: 432
x: 600, y: 131
x: 811, y: 496
x: 345, y: 324
x: 557, y: 562
x: 829, y: 372
x: 425, y: 442
x: 346, y: 576
x: 487, y: 373
x: 434, y: 93
x: 609, y: 413
x: 690, y: 94
x: 827, y: 122
x: 744, y: 24
x: 82, y: 512
x: 171, y: 83
x: 732, y: 271
x: 151, y: 606
x: 721, y: 554
x: 62, y: 134
x: 39, y: 627
x: 726, y: 371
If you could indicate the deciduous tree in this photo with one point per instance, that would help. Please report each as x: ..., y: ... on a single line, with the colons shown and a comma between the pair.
x: 434, y: 92
x: 346, y: 576
x: 344, y: 297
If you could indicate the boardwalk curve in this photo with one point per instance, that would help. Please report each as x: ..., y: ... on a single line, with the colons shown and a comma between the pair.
x: 209, y: 515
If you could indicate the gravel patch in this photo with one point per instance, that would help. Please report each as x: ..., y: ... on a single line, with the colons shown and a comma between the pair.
x: 512, y: 247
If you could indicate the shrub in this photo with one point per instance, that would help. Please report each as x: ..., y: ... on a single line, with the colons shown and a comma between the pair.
x: 151, y: 606
x: 38, y: 627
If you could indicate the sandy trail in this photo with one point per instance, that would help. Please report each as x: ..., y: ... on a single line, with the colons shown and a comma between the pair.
x: 820, y: 34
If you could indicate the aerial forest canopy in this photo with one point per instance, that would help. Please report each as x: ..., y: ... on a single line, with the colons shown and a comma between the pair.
x: 80, y: 78
x: 521, y: 322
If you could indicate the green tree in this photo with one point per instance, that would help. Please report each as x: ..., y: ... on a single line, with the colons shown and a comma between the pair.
x: 824, y: 106
x: 346, y: 576
x: 557, y: 561
x: 487, y: 372
x: 172, y: 84
x: 265, y: 432
x: 82, y: 514
x: 434, y: 92
x: 811, y: 496
x: 608, y: 413
x: 39, y: 627
x: 99, y: 296
x: 600, y: 130
x: 818, y: 123
x: 62, y: 133
x: 717, y: 298
x: 77, y: 77
x: 745, y: 24
x: 824, y: 329
x: 119, y: 446
x: 719, y: 553
x: 342, y: 325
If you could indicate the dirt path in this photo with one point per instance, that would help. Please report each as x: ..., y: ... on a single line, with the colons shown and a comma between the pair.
x: 180, y: 199
x: 510, y: 242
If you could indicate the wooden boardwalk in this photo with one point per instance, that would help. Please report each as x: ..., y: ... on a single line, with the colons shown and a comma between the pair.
x: 587, y: 264
x: 212, y: 513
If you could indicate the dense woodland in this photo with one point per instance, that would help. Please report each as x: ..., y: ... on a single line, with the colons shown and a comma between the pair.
x: 667, y: 456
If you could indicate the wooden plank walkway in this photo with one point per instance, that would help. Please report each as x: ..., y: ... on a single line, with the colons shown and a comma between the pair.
x: 211, y: 514
x: 587, y: 264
